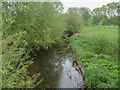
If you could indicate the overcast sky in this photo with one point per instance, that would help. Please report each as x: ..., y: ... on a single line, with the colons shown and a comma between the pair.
x: 85, y: 3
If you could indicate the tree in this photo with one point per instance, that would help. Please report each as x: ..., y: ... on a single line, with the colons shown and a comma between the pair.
x: 83, y: 11
x: 105, y: 14
x: 27, y: 27
x: 90, y: 21
x: 74, y: 21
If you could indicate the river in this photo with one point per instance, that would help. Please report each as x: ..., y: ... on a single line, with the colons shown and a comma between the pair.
x: 56, y: 68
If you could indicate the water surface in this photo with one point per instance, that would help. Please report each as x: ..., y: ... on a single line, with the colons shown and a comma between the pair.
x: 57, y: 71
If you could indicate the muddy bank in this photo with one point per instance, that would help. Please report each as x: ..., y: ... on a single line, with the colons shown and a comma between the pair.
x: 77, y: 64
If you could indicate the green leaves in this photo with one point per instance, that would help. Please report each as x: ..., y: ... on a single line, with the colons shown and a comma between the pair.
x: 74, y: 22
x: 27, y: 26
x: 106, y: 15
x: 94, y: 49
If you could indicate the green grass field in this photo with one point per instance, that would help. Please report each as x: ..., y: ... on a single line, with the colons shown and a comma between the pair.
x: 97, y: 49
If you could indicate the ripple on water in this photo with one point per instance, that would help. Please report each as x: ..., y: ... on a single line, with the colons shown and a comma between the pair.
x: 56, y: 69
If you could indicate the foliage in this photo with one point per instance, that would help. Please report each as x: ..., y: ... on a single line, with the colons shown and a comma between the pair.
x: 83, y: 11
x: 74, y: 22
x: 14, y: 68
x: 97, y: 49
x: 27, y: 27
x: 90, y: 21
x: 105, y: 15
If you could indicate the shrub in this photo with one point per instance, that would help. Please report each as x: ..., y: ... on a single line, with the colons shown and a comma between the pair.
x: 74, y: 22
x: 27, y: 27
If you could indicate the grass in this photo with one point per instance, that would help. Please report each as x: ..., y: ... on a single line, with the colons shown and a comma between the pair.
x: 97, y: 49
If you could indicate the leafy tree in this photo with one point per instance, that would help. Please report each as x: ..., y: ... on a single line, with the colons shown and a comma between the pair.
x: 83, y: 11
x: 90, y: 21
x: 106, y: 15
x: 74, y: 22
x: 112, y: 9
x: 27, y: 27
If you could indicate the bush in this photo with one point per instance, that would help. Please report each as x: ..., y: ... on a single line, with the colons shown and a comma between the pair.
x: 27, y: 27
x: 74, y: 22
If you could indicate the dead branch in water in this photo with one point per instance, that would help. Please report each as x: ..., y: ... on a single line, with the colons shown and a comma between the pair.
x: 80, y: 68
x: 77, y: 68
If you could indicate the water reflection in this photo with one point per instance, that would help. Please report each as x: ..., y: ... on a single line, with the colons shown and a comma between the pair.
x: 56, y: 69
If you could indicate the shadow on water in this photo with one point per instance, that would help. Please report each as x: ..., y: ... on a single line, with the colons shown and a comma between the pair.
x: 55, y: 66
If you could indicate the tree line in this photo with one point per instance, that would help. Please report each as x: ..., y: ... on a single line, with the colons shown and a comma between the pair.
x: 105, y: 15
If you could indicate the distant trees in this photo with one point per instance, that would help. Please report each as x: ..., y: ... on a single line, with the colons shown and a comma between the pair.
x: 74, y: 21
x: 84, y: 12
x: 105, y: 15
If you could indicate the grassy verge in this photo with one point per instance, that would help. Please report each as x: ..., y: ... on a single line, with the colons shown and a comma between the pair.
x: 97, y: 49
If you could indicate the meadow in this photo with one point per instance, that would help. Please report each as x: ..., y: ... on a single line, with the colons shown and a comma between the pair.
x: 97, y: 49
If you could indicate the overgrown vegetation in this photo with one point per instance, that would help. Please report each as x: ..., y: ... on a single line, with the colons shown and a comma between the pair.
x: 74, y: 22
x: 97, y: 49
x: 105, y: 15
x: 28, y: 27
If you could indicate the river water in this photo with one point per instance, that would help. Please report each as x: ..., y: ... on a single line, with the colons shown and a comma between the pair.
x: 57, y: 71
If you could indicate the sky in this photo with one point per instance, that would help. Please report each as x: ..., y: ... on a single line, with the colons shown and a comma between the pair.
x: 85, y: 3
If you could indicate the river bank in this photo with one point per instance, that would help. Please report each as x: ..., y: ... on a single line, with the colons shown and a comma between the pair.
x: 98, y: 56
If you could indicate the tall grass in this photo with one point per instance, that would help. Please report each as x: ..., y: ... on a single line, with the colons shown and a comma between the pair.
x: 101, y: 40
x: 97, y: 49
